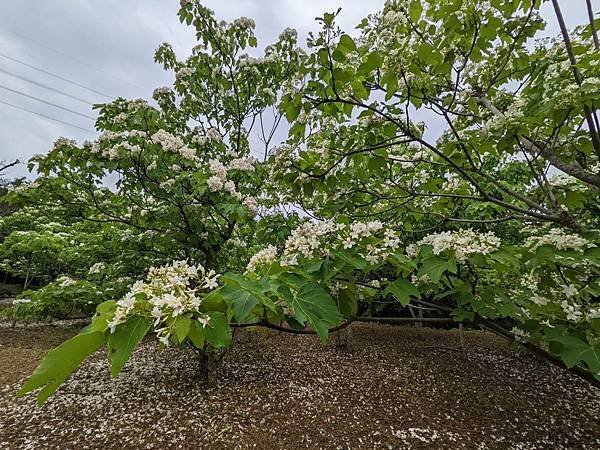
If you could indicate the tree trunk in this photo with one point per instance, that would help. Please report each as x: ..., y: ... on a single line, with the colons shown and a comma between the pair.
x: 207, y: 367
x: 342, y: 338
x: 27, y: 275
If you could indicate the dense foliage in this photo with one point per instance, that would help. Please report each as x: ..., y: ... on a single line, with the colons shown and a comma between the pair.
x: 439, y: 157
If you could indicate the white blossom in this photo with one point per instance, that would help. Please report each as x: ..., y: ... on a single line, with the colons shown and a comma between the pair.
x: 559, y: 239
x: 97, y: 268
x: 262, y: 258
x: 215, y: 183
x: 252, y: 205
x: 463, y: 242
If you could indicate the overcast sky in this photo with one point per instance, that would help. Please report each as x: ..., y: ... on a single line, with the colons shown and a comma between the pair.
x: 108, y: 47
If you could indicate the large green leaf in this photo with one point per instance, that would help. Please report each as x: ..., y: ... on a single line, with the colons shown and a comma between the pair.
x: 218, y: 331
x: 593, y: 254
x: 104, y: 312
x: 214, y: 301
x: 350, y: 259
x: 402, y: 290
x: 347, y: 42
x: 236, y: 280
x: 435, y: 267
x: 122, y: 342
x: 312, y: 303
x: 575, y: 350
x: 60, y: 363
x: 242, y: 302
x: 196, y: 334
x: 181, y: 327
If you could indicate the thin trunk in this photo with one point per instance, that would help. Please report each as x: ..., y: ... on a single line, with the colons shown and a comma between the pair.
x: 342, y: 338
x: 208, y: 367
x: 27, y: 275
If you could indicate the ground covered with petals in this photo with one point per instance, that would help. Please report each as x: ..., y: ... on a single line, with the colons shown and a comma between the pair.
x: 397, y: 387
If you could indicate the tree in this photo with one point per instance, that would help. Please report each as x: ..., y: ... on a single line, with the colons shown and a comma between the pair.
x: 510, y: 117
x: 184, y: 171
x: 394, y: 213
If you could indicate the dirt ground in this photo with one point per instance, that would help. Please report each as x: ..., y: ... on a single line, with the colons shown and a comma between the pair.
x: 396, y: 388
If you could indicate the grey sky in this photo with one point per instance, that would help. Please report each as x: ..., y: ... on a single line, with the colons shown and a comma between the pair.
x: 109, y: 46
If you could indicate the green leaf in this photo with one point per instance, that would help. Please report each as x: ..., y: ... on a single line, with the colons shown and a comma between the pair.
x: 506, y: 257
x: 359, y: 90
x: 593, y: 254
x: 374, y: 61
x: 60, y: 363
x: 218, y: 331
x: 342, y: 75
x: 575, y: 350
x: 348, y: 301
x: 328, y: 18
x: 415, y: 10
x: 434, y: 267
x: 339, y: 56
x: 347, y: 42
x: 107, y: 307
x: 429, y: 54
x: 402, y: 290
x: 181, y: 327
x: 196, y: 334
x: 104, y: 313
x: 312, y: 303
x: 214, y: 301
x: 122, y: 342
x: 242, y: 301
x: 292, y: 111
x: 545, y: 251
x: 350, y: 259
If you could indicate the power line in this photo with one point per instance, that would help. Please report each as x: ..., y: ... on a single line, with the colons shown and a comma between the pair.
x: 47, y: 117
x: 47, y: 102
x: 56, y: 76
x: 66, y: 55
x: 45, y: 86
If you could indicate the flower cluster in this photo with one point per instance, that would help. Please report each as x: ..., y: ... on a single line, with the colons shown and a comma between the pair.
x: 559, y: 239
x: 21, y: 301
x: 306, y: 241
x: 173, y: 144
x: 252, y: 205
x: 218, y: 181
x: 243, y: 23
x: 264, y: 257
x: 463, y: 243
x: 243, y: 164
x: 160, y: 91
x: 360, y: 230
x: 572, y: 310
x: 169, y: 291
x: 369, y: 240
x: 97, y: 268
x: 65, y: 281
x: 219, y: 178
x: 64, y: 142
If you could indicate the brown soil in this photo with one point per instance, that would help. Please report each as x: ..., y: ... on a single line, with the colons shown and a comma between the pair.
x: 396, y: 388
